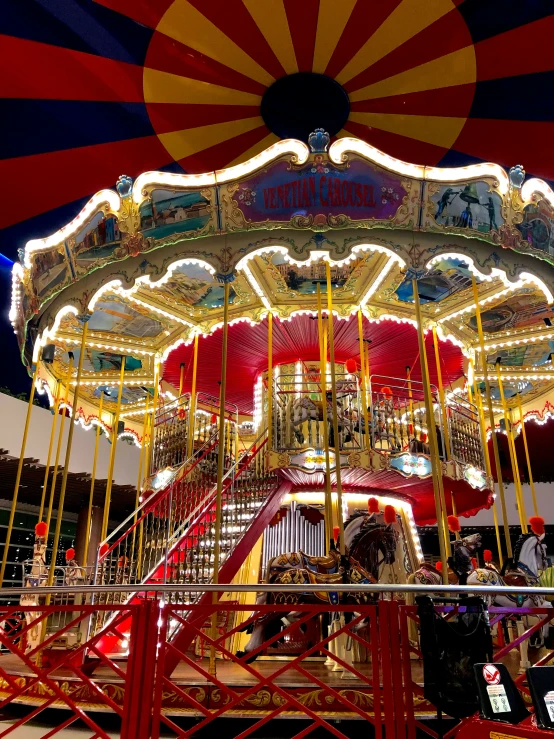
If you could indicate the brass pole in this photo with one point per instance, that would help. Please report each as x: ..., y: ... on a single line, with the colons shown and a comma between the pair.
x: 269, y: 382
x: 527, y: 456
x: 109, y: 482
x: 334, y: 404
x: 363, y: 377
x: 491, y: 418
x: 411, y: 401
x: 93, y: 476
x: 220, y: 459
x: 445, y: 430
x: 513, y: 457
x: 482, y: 424
x: 59, y: 445
x: 323, y: 384
x: 442, y: 399
x: 19, y: 469
x: 181, y: 378
x: 72, y: 422
x: 192, y: 406
x: 432, y: 436
x: 50, y: 449
x: 139, y: 474
x: 152, y: 435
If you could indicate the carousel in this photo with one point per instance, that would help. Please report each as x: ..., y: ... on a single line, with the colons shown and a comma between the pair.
x: 309, y: 350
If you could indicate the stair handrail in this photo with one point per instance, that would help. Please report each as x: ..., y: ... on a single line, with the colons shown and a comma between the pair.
x: 153, y: 500
x: 200, y: 509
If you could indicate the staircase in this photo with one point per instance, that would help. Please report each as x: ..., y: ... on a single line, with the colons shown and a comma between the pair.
x: 170, y: 538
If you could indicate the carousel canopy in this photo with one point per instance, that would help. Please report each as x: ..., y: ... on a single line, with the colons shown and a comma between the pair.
x: 97, y: 89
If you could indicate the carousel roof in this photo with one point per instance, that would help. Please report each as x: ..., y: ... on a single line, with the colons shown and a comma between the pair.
x: 97, y: 89
x: 393, y: 348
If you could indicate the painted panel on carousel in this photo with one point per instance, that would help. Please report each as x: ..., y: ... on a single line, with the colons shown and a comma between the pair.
x: 525, y: 309
x: 193, y: 286
x: 527, y: 355
x: 128, y: 396
x: 99, y: 360
x: 446, y: 279
x: 319, y: 194
x: 411, y: 464
x: 50, y: 272
x: 461, y: 208
x: 313, y: 460
x: 298, y: 280
x: 116, y: 316
x: 537, y: 227
x: 169, y: 216
x: 96, y: 244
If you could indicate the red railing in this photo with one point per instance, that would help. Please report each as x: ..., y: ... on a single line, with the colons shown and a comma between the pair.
x: 353, y: 660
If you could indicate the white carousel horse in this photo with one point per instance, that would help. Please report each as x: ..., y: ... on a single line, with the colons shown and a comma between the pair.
x: 34, y: 578
x: 304, y: 409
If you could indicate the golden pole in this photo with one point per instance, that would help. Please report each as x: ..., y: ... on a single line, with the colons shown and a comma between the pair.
x: 181, y: 378
x: 93, y: 476
x: 50, y: 449
x: 334, y: 404
x: 444, y: 541
x: 482, y: 424
x: 491, y: 418
x: 152, y: 439
x: 192, y: 407
x: 269, y: 382
x: 19, y: 469
x: 139, y: 474
x: 442, y: 402
x: 323, y: 384
x: 441, y: 397
x: 527, y: 457
x: 220, y: 458
x: 411, y: 401
x: 109, y: 482
x: 513, y: 457
x: 363, y: 377
x: 59, y: 445
x: 52, y: 567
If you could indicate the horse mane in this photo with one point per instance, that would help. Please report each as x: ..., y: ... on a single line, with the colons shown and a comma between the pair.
x: 373, y: 526
x: 519, y: 545
x: 354, y: 516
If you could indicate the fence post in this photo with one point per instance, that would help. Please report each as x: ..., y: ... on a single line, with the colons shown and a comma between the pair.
x: 141, y: 671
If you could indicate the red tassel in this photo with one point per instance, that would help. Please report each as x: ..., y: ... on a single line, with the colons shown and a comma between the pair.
x: 103, y: 549
x: 474, y: 563
x: 373, y: 505
x: 351, y: 366
x: 336, y: 531
x: 537, y: 525
x: 390, y: 514
x: 70, y: 554
x: 453, y: 523
x: 41, y: 529
x: 438, y: 566
x: 487, y: 555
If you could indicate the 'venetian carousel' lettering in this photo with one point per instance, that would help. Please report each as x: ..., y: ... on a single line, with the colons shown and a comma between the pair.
x: 328, y: 191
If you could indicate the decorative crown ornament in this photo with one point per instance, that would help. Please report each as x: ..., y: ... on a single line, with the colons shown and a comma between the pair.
x: 124, y: 186
x: 319, y: 141
x: 516, y: 175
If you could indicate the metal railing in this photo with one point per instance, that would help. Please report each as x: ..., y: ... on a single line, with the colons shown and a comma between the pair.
x: 300, y: 411
x: 464, y: 431
x: 398, y: 417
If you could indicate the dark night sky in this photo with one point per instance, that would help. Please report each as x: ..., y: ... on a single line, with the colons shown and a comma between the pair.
x: 12, y: 372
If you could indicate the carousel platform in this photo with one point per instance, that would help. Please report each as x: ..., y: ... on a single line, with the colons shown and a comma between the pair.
x: 194, y: 683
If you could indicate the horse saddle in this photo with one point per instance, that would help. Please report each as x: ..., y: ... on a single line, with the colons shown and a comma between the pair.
x: 326, y: 565
x: 316, y: 578
x: 516, y: 578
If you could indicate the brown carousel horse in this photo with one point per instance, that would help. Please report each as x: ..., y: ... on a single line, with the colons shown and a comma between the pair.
x: 369, y: 546
x: 349, y: 572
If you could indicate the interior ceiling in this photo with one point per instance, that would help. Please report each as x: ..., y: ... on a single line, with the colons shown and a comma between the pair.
x: 97, y: 89
x: 394, y: 346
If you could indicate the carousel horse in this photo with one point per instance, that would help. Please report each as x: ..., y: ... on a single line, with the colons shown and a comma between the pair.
x: 306, y: 409
x: 371, y: 544
x: 36, y: 576
x: 270, y: 624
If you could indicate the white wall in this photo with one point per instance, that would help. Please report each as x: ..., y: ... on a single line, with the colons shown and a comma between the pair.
x: 12, y: 423
x: 545, y: 501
